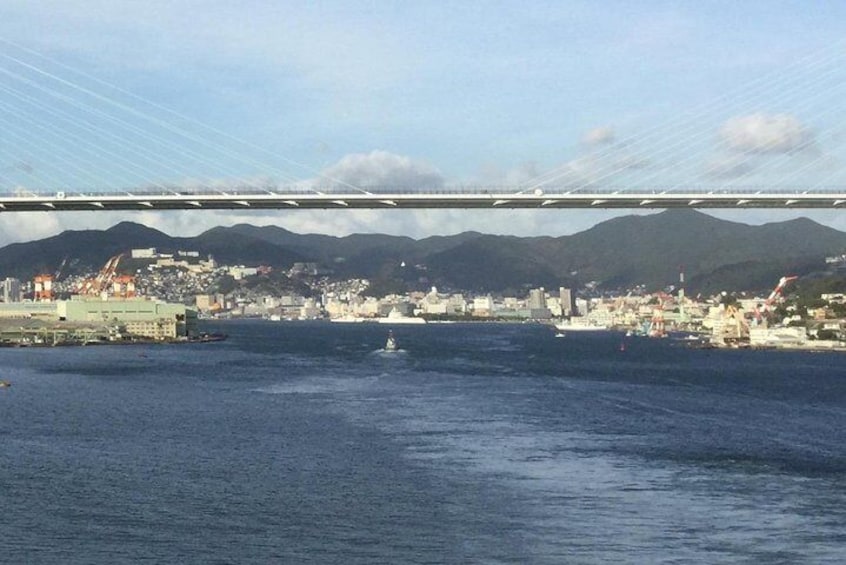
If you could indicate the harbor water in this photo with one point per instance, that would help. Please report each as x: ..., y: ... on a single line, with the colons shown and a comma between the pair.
x: 473, y: 443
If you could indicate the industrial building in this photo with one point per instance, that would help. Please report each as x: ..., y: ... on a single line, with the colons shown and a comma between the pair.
x: 135, y: 317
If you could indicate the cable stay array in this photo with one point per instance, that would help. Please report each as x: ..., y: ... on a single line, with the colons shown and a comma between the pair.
x: 72, y: 141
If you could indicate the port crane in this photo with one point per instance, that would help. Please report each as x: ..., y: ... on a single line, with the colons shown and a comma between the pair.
x: 776, y: 294
x: 779, y: 289
x: 108, y: 282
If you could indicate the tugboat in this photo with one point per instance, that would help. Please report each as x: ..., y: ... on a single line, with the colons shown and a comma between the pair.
x: 391, y: 344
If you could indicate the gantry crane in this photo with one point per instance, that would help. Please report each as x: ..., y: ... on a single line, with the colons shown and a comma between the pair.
x: 107, y: 281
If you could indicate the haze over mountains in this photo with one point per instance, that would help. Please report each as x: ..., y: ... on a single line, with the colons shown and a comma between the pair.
x: 619, y: 253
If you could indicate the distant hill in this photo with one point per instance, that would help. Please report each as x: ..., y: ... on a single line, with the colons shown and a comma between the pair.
x: 619, y: 253
x: 76, y: 251
x: 73, y: 252
x: 652, y: 249
x: 232, y: 248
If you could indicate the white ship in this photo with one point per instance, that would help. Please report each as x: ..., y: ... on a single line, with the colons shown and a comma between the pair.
x: 348, y: 319
x: 397, y: 317
x: 579, y: 324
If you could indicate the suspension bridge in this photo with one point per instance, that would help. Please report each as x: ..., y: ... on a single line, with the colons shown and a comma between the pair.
x: 484, y: 198
x: 72, y: 142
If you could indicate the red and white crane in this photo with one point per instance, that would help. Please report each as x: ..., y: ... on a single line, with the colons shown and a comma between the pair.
x: 778, y: 290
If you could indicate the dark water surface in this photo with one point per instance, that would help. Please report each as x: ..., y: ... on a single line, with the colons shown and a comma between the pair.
x: 300, y: 443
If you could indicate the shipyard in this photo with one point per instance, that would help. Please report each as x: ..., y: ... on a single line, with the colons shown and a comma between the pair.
x: 145, y: 295
x: 104, y: 308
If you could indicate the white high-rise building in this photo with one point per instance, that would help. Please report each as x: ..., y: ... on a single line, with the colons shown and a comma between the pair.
x: 12, y: 290
x: 537, y: 298
x: 568, y: 307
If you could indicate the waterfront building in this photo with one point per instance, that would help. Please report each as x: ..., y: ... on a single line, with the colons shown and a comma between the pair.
x: 602, y: 317
x: 12, y: 290
x: 310, y: 310
x: 29, y: 310
x: 511, y: 303
x: 565, y: 297
x: 456, y: 305
x: 369, y: 308
x: 204, y: 302
x: 483, y: 306
x: 434, y: 304
x: 135, y: 317
x: 337, y: 308
x: 581, y: 307
x: 159, y: 329
x: 537, y: 299
x: 147, y: 318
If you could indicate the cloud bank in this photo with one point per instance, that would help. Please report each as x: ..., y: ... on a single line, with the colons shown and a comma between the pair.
x: 382, y: 169
x: 762, y: 133
x: 599, y: 136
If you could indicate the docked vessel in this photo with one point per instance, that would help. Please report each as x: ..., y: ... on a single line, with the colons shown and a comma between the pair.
x: 348, y: 319
x: 397, y: 317
x: 580, y: 324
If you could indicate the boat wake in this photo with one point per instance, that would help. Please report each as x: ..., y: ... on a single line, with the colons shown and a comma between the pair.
x: 319, y: 386
x: 389, y: 353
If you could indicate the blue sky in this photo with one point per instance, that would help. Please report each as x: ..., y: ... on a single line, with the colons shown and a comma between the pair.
x: 473, y: 92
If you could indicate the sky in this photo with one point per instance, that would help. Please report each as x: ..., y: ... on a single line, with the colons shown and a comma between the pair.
x: 419, y: 94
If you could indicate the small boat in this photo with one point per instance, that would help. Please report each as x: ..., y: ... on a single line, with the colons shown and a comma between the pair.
x: 560, y: 334
x: 391, y: 344
x: 5, y: 384
x: 204, y: 337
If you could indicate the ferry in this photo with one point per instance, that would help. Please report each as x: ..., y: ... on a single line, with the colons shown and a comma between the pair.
x: 580, y: 324
x: 397, y: 317
x: 348, y: 319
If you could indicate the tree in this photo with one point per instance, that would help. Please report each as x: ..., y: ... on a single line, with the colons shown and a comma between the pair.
x: 226, y: 284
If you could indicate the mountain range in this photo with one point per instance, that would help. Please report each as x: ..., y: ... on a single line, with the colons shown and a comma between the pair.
x: 620, y: 253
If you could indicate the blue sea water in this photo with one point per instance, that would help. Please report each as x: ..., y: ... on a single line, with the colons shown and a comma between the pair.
x: 483, y: 443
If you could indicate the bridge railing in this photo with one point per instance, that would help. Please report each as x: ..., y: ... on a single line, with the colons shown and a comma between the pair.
x: 466, y: 190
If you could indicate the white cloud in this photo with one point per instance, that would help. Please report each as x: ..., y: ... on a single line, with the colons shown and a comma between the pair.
x: 381, y: 169
x: 763, y: 133
x: 599, y: 136
x: 29, y: 226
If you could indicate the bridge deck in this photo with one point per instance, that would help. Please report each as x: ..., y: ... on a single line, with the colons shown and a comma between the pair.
x: 479, y: 200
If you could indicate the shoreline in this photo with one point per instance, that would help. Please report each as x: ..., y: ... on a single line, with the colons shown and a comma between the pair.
x: 200, y: 338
